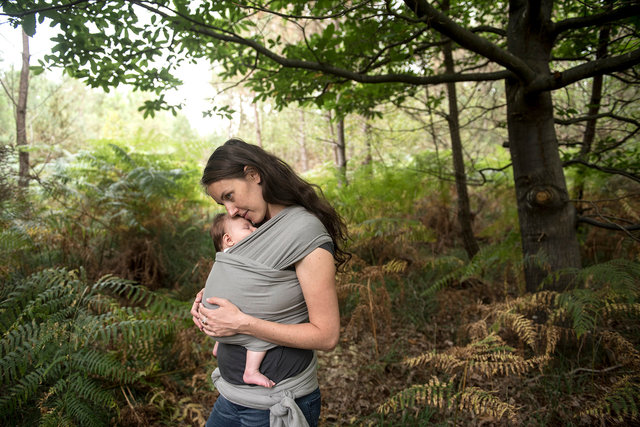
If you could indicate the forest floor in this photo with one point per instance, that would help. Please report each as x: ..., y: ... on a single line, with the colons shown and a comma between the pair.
x: 368, y: 367
x: 364, y: 371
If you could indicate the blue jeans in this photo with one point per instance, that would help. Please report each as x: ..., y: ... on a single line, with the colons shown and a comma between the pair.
x: 228, y: 414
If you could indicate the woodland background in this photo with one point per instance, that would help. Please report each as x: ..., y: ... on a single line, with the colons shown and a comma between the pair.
x: 104, y: 239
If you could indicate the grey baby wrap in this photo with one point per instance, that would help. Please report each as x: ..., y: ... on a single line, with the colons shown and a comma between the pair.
x: 253, y: 275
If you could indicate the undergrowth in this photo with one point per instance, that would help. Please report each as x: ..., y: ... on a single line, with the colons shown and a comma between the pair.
x: 68, y: 345
x: 435, y: 338
x: 592, y: 326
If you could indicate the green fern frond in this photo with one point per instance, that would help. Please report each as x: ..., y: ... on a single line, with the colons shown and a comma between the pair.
x: 581, y: 306
x: 85, y: 388
x: 621, y: 275
x: 620, y: 403
x: 484, y: 261
x: 82, y: 411
x: 21, y: 391
x: 102, y: 365
x: 56, y: 354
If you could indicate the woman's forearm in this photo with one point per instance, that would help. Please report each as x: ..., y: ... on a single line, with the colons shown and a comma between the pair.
x: 302, y: 335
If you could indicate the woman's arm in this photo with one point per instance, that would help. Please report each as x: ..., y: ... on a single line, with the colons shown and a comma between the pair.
x: 316, y: 273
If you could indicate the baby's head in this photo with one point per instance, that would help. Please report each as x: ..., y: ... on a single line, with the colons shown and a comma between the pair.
x: 226, y: 231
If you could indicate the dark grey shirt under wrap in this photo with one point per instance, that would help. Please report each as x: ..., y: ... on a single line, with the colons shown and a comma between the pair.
x: 255, y: 275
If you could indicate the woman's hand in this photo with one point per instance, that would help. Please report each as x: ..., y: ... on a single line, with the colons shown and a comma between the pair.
x: 194, y: 310
x: 224, y: 321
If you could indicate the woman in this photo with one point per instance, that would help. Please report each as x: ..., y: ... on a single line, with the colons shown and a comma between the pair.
x: 258, y: 186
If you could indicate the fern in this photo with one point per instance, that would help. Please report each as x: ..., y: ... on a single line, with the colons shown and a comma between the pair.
x: 481, y: 402
x: 436, y: 394
x: 487, y: 260
x: 57, y: 361
x: 443, y: 397
x: 620, y: 402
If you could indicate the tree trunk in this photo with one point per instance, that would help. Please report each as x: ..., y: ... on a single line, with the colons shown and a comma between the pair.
x: 21, y: 115
x: 368, y: 159
x: 304, y: 157
x: 547, y: 218
x: 593, y: 109
x: 464, y: 207
x: 341, y: 157
x: 256, y: 116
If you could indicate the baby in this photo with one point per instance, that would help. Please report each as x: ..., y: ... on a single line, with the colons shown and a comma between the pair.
x: 227, y: 231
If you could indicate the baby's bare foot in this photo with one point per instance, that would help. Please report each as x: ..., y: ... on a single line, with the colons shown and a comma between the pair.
x: 257, y: 378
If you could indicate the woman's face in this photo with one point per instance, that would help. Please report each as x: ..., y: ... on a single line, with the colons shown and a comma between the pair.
x: 241, y: 197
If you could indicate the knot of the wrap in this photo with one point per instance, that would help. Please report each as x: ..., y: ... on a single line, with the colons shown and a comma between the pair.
x: 286, y: 412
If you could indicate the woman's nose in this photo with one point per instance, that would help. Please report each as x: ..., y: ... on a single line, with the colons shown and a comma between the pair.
x: 231, y: 209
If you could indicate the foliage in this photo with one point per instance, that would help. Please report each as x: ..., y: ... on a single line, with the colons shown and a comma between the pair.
x: 125, y: 213
x: 351, y: 58
x: 338, y: 50
x: 68, y: 344
x: 536, y: 332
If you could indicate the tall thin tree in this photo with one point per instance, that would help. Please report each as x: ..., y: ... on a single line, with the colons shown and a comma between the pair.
x: 453, y: 119
x: 21, y: 114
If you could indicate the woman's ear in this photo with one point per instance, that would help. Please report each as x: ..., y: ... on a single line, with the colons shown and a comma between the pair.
x: 252, y: 174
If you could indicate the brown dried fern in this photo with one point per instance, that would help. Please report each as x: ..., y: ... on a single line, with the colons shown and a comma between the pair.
x: 482, y: 402
x: 625, y: 352
x: 524, y: 328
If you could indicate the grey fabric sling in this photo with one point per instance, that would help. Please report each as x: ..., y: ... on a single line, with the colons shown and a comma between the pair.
x: 253, y: 275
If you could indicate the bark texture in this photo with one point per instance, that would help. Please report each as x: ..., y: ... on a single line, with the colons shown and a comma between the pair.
x: 547, y: 217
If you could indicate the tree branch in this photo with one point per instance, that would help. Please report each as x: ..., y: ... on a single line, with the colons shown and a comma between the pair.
x: 598, y: 116
x: 341, y: 72
x: 9, y: 95
x: 607, y: 65
x: 608, y: 225
x: 45, y: 9
x: 231, y: 37
x: 467, y: 39
x: 611, y: 171
x: 489, y: 29
x: 596, y: 20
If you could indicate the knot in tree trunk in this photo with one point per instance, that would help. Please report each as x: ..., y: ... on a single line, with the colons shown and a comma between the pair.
x: 544, y: 197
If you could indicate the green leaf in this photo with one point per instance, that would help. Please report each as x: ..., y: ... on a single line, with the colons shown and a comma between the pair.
x: 29, y: 24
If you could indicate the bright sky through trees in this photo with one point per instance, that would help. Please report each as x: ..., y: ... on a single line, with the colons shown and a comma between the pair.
x: 194, y: 94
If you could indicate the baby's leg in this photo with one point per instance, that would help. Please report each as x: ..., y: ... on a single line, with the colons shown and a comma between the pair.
x: 252, y: 373
x: 215, y: 349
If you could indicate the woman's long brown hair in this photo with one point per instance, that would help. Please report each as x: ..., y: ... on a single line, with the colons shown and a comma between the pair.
x: 280, y: 186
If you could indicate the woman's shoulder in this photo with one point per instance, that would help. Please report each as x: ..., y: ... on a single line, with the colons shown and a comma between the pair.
x: 301, y: 217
